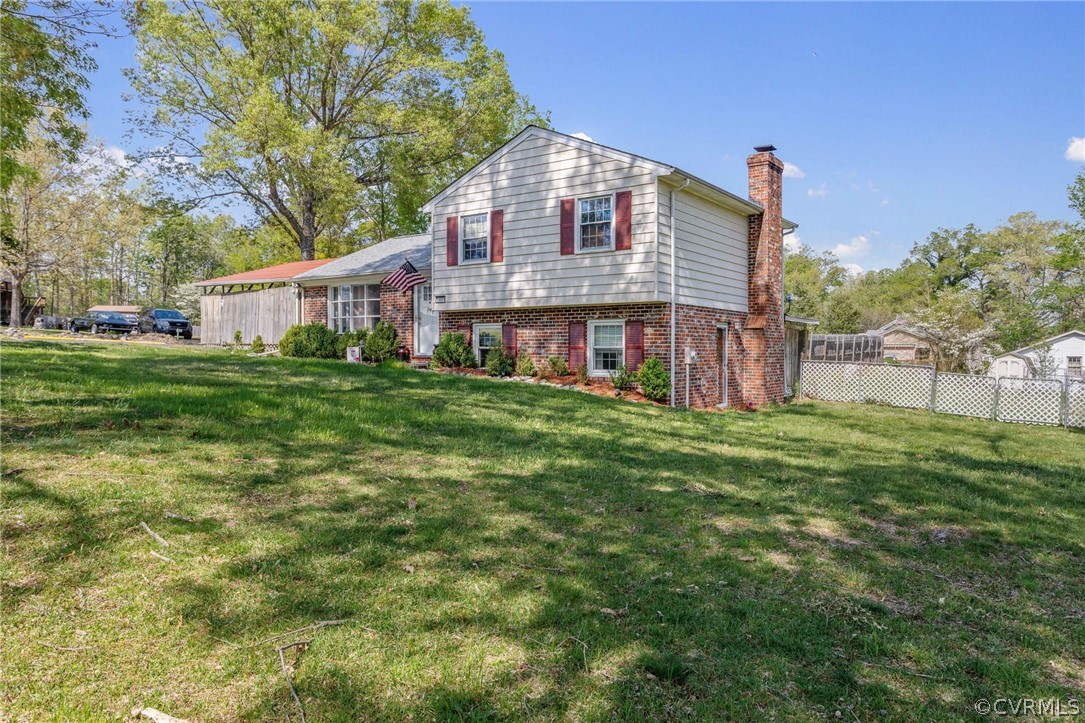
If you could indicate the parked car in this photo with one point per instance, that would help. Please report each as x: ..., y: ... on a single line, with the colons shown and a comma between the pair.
x: 165, y: 321
x: 102, y: 321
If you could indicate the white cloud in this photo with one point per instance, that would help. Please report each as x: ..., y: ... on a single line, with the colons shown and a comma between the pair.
x: 858, y: 246
x: 792, y: 242
x: 793, y: 171
x: 853, y: 269
x: 820, y: 192
x: 1075, y: 150
x: 583, y: 136
x: 885, y: 201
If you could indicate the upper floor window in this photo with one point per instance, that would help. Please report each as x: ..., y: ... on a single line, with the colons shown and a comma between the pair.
x: 354, y: 307
x: 596, y: 219
x: 606, y: 347
x: 475, y: 231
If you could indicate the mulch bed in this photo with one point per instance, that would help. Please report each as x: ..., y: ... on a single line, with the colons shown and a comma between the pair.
x: 598, y: 388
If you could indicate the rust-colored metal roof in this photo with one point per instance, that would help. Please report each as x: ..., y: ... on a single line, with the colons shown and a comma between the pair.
x: 267, y: 275
x: 115, y: 309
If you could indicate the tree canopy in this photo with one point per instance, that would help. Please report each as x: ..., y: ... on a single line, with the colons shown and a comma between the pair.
x: 326, y: 118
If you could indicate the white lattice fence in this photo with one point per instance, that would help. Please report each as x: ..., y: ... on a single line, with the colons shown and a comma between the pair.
x: 830, y: 381
x: 896, y: 385
x: 966, y: 394
x: 1075, y: 403
x: 1030, y: 401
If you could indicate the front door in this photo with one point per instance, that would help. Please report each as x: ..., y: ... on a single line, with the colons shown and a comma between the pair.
x: 426, y: 331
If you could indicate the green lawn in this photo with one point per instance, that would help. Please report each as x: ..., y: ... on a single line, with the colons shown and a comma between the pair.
x: 573, y: 557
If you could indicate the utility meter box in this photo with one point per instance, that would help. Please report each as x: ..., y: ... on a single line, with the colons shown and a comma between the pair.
x: 691, y: 355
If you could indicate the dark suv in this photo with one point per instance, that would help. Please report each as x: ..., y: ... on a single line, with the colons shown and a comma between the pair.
x: 165, y: 321
x: 102, y: 321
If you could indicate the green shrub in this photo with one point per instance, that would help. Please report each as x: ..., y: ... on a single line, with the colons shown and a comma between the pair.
x: 258, y: 345
x: 238, y: 341
x: 525, y: 367
x: 350, y: 338
x: 500, y: 363
x: 453, y: 352
x: 582, y: 374
x: 655, y: 382
x: 558, y: 366
x: 382, y: 342
x: 623, y: 378
x: 311, y: 341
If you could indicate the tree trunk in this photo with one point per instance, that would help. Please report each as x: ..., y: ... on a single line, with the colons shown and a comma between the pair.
x: 15, y: 318
x: 307, y: 238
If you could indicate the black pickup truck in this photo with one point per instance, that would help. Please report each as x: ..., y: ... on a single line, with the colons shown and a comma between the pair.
x: 165, y: 321
x: 102, y: 321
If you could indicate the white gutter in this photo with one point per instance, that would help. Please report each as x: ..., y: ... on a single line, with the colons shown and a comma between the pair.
x: 674, y: 245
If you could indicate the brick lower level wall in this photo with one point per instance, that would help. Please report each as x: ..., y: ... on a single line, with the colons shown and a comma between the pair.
x: 397, y: 308
x: 544, y: 332
x: 315, y: 305
x: 697, y: 329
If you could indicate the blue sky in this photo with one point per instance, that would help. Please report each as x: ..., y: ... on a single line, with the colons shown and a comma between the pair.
x: 897, y: 118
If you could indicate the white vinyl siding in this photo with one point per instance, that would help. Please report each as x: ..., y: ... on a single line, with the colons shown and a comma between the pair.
x: 711, y: 259
x: 528, y: 183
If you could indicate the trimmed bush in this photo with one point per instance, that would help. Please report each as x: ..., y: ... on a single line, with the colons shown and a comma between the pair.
x: 453, y: 352
x: 499, y: 363
x: 257, y: 345
x: 350, y: 338
x: 558, y: 366
x: 582, y: 374
x: 655, y: 382
x: 382, y: 342
x: 238, y: 341
x: 622, y: 378
x: 309, y: 341
x: 525, y: 367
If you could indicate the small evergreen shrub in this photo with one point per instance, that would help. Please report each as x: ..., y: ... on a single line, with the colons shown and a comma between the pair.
x: 257, y: 345
x: 309, y: 341
x: 500, y: 363
x: 525, y: 367
x: 558, y: 366
x: 381, y: 343
x: 238, y: 341
x: 655, y: 382
x: 622, y: 378
x: 582, y: 374
x: 350, y: 338
x: 453, y: 352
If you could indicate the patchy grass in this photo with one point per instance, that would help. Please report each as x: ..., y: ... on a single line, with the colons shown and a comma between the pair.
x: 508, y: 551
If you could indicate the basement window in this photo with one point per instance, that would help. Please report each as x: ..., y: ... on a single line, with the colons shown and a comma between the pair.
x: 487, y: 336
x: 606, y: 347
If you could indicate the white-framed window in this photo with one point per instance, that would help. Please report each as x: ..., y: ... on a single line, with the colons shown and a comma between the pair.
x: 354, y: 306
x: 595, y: 223
x: 475, y: 238
x: 606, y: 347
x: 487, y: 336
x: 1073, y: 367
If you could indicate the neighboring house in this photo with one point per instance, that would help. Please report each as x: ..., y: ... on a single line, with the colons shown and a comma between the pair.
x: 902, y: 342
x: 1064, y: 351
x: 31, y: 307
x: 557, y: 246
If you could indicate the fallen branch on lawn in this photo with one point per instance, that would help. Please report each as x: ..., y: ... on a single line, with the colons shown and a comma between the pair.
x: 314, y: 627
x: 175, y: 516
x: 152, y: 533
x: 302, y: 644
x: 160, y: 556
x: 561, y: 570
x: 156, y: 715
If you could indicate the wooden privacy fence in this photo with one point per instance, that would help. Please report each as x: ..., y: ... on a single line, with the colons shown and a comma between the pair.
x: 1024, y: 401
x: 268, y: 312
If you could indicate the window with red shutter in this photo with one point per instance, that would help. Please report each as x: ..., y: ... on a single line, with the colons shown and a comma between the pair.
x: 452, y: 240
x: 508, y: 338
x: 497, y: 236
x: 623, y: 220
x: 568, y: 226
x: 465, y: 329
x: 578, y: 332
x: 634, y: 345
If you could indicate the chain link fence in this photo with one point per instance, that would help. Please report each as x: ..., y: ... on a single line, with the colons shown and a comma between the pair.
x: 1023, y: 401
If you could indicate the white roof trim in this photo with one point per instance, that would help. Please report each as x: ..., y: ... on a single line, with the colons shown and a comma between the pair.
x: 555, y: 136
x: 1032, y: 347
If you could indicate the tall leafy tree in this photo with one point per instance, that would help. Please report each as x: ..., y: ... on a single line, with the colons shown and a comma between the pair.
x: 327, y: 118
x: 809, y: 278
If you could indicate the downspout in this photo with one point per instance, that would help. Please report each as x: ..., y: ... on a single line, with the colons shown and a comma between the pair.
x: 674, y: 314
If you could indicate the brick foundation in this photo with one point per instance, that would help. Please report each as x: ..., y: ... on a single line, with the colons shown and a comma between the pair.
x: 397, y: 308
x: 698, y: 329
x: 315, y: 305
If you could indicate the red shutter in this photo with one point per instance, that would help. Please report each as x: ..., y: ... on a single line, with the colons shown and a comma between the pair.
x: 578, y: 332
x: 497, y: 235
x: 623, y: 220
x: 452, y: 240
x: 465, y: 329
x: 634, y: 345
x: 508, y: 338
x: 568, y: 226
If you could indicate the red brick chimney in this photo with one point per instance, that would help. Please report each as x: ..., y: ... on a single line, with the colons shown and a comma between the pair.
x: 763, y: 333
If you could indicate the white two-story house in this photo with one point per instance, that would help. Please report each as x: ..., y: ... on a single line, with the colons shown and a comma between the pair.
x: 558, y: 246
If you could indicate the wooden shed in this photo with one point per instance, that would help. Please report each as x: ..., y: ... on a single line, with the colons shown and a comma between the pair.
x: 264, y: 302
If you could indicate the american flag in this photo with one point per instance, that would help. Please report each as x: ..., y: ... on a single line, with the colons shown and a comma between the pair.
x: 405, y: 277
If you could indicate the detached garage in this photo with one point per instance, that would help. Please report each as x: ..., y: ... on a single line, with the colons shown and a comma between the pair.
x: 264, y: 302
